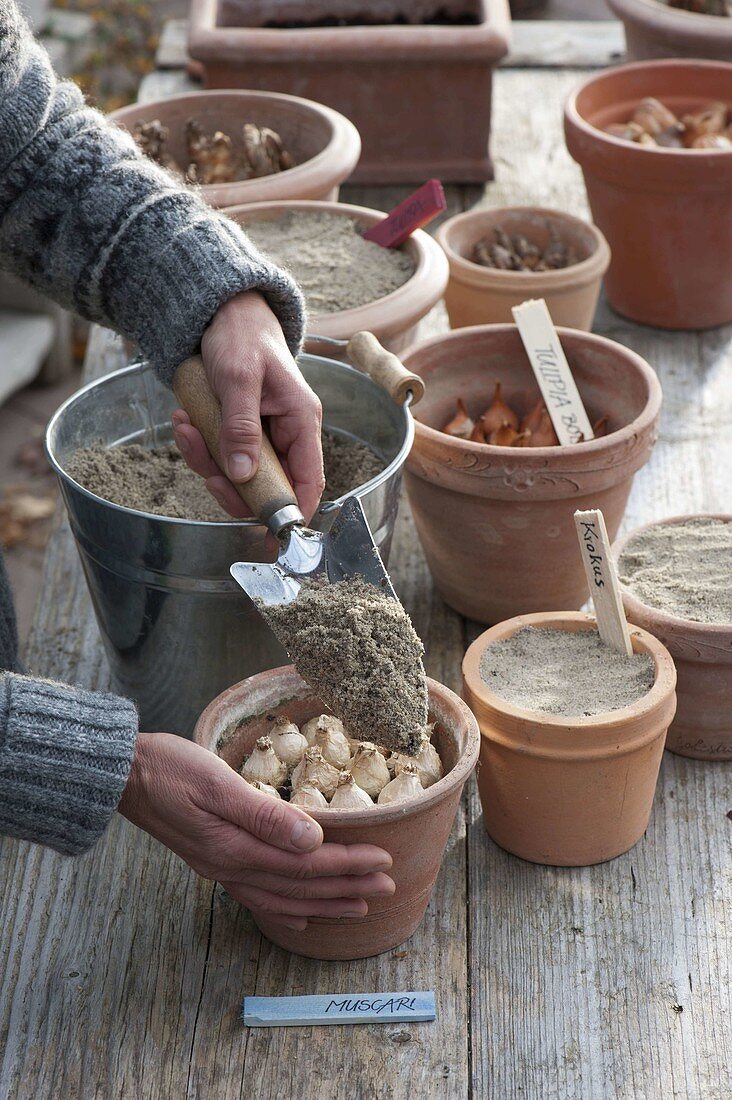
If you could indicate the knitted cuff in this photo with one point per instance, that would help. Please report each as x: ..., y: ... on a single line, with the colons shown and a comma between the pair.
x: 65, y: 755
x: 180, y: 261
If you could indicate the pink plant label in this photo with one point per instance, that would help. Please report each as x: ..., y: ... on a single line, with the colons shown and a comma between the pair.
x: 552, y: 371
x: 416, y: 211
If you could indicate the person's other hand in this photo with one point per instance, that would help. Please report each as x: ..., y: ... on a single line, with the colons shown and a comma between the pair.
x: 253, y: 374
x: 267, y: 854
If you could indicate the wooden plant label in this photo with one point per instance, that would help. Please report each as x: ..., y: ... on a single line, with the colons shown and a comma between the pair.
x: 551, y: 368
x: 339, y: 1008
x: 602, y: 579
x: 416, y: 211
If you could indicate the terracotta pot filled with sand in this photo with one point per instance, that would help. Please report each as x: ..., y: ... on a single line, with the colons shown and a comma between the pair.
x: 314, y: 148
x: 414, y: 831
x: 572, y: 736
x: 350, y: 284
x: 501, y: 257
x: 676, y: 577
x: 496, y: 519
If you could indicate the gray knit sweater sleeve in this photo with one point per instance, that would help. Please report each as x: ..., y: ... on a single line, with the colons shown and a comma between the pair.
x: 88, y: 220
x: 65, y: 755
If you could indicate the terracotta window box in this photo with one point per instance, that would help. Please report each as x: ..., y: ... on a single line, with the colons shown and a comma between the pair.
x: 419, y: 93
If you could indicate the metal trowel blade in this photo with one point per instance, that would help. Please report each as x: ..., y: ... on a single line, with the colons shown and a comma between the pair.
x: 346, y: 550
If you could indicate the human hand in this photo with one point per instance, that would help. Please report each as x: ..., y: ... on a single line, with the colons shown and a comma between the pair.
x: 253, y: 374
x: 267, y: 854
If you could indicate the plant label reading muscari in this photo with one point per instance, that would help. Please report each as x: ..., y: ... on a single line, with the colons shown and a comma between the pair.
x: 550, y: 366
x: 339, y: 1008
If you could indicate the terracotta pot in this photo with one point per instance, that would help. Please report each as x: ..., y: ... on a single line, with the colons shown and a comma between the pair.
x: 653, y: 30
x: 667, y: 213
x: 393, y: 319
x: 479, y: 295
x: 568, y: 791
x: 702, y: 653
x: 497, y: 523
x: 419, y: 95
x: 414, y: 833
x: 324, y: 144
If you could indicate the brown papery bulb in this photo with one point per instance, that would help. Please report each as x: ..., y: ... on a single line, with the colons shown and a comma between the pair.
x: 544, y: 435
x: 712, y: 141
x: 498, y: 413
x: 627, y: 131
x: 532, y: 420
x: 505, y: 436
x: 653, y: 117
x: 600, y: 427
x: 523, y: 439
x: 712, y: 119
x: 478, y: 435
x: 461, y: 424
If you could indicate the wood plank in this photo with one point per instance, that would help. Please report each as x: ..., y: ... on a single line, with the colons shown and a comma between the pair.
x: 568, y: 44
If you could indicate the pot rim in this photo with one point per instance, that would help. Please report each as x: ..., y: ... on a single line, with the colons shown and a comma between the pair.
x: 574, y: 118
x: 592, y: 267
x: 659, y: 16
x: 666, y: 621
x: 605, y: 721
x: 343, y: 137
x: 530, y: 456
x: 395, y: 311
x: 327, y: 506
x: 295, y: 686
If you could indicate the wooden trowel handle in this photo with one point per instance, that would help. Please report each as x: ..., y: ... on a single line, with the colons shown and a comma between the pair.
x: 366, y: 353
x: 269, y: 493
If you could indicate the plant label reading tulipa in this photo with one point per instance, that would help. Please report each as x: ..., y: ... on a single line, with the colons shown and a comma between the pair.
x: 339, y: 1008
x: 550, y: 366
x: 602, y: 580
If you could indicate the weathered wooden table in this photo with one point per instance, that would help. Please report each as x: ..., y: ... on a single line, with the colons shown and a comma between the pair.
x: 122, y: 973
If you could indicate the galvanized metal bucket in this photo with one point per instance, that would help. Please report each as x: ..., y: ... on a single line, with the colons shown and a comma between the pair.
x: 176, y: 628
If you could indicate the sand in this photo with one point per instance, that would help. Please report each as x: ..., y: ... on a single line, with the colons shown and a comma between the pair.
x: 157, y: 480
x: 327, y: 256
x: 564, y: 674
x: 357, y: 649
x: 683, y: 569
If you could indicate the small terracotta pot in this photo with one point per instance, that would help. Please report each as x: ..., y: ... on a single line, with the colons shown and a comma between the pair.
x: 393, y: 319
x: 702, y: 653
x: 654, y: 30
x: 323, y: 143
x: 667, y: 213
x: 414, y: 833
x: 568, y: 791
x: 478, y: 295
x: 497, y: 523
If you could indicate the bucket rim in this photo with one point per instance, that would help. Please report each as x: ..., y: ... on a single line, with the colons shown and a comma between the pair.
x: 140, y: 365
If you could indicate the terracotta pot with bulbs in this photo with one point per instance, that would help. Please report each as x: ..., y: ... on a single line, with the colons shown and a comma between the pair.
x: 496, y: 520
x: 415, y: 832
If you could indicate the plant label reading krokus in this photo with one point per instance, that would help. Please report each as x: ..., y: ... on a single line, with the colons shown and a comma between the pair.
x: 602, y: 580
x: 550, y: 366
x: 339, y: 1008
